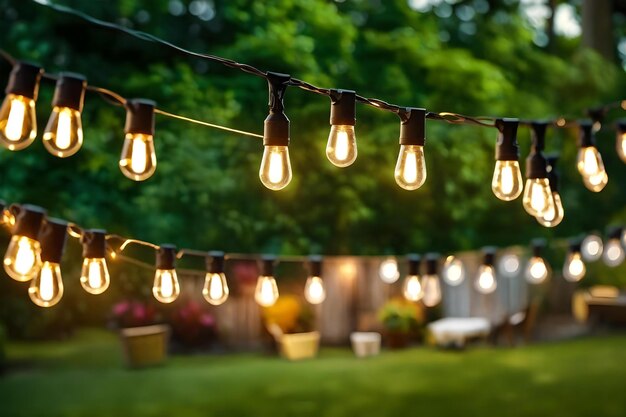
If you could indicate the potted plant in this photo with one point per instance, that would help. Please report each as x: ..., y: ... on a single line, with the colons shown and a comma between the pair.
x: 400, y: 319
x: 193, y: 326
x: 291, y: 324
x: 144, y: 341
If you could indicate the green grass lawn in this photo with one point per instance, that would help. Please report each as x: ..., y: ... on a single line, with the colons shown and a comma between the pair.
x: 85, y: 377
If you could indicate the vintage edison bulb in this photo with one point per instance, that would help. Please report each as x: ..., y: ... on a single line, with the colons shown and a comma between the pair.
x: 536, y: 270
x: 314, y: 290
x: 538, y: 197
x: 592, y: 248
x: 165, y: 288
x: 63, y: 135
x: 18, y: 122
x: 138, y: 161
x: 486, y: 280
x: 410, y: 170
x: 509, y: 265
x: 388, y: 271
x: 341, y: 148
x: 620, y: 145
x: 23, y: 258
x: 613, y: 253
x: 507, y: 180
x: 94, y: 276
x: 266, y: 291
x: 47, y: 288
x: 589, y: 162
x: 215, y: 290
x: 574, y: 268
x: 412, y: 288
x: 553, y: 216
x: 596, y: 182
x: 275, y: 172
x: 431, y: 290
x: 453, y: 271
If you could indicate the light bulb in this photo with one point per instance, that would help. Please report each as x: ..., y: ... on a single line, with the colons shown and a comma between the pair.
x: 388, y: 271
x: 165, y: 288
x: 215, y: 290
x: 507, y: 180
x: 314, y: 290
x: 485, y: 280
x: 591, y: 248
x: 574, y: 268
x: 431, y: 290
x: 620, y: 143
x: 453, y: 271
x: 553, y: 216
x: 410, y: 172
x: 138, y: 160
x: 275, y: 172
x: 22, y: 260
x: 341, y: 148
x: 94, y: 276
x: 18, y: 122
x: 536, y: 270
x: 597, y: 182
x: 509, y: 265
x: 266, y: 291
x: 589, y: 161
x: 538, y: 197
x: 412, y: 288
x: 613, y: 252
x: 47, y: 288
x: 63, y: 135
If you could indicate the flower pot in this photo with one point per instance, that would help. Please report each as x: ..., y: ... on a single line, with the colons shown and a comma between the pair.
x: 145, y: 346
x: 365, y: 343
x: 397, y: 340
x: 297, y: 346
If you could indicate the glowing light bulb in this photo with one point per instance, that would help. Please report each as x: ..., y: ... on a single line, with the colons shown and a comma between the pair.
x: 412, y: 288
x: 509, y: 265
x: 63, y: 135
x: 536, y: 270
x: 388, y: 271
x: 453, y: 271
x: 589, y: 161
x: 591, y: 248
x: 538, y: 197
x: 486, y: 280
x: 620, y: 143
x: 574, y: 268
x: 410, y: 172
x: 138, y: 160
x: 553, y: 216
x: 22, y: 259
x: 314, y: 290
x: 266, y: 291
x: 18, y: 122
x: 47, y: 288
x: 275, y: 172
x: 597, y: 182
x: 341, y: 148
x: 613, y: 252
x: 431, y: 290
x: 215, y: 290
x: 507, y: 180
x: 94, y: 276
x: 166, y: 288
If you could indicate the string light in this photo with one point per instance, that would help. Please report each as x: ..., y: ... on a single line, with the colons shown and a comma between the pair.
x: 341, y: 148
x: 138, y: 160
x: 592, y: 247
x: 266, y: 291
x: 589, y: 161
x: 453, y: 271
x: 613, y: 251
x: 314, y: 291
x: 430, y: 281
x: 18, y: 119
x: 486, y: 276
x: 215, y: 290
x: 507, y: 178
x: 22, y: 259
x: 412, y: 288
x: 166, y: 288
x: 620, y: 141
x: 574, y: 269
x: 537, y: 270
x: 509, y: 265
x: 94, y: 276
x: 555, y: 213
x: 410, y: 172
x: 388, y: 270
x: 537, y: 198
x: 46, y: 289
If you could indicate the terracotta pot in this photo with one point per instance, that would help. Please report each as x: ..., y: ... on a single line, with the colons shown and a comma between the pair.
x: 145, y: 346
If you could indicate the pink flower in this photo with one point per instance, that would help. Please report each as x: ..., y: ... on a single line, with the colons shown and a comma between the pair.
x: 122, y: 308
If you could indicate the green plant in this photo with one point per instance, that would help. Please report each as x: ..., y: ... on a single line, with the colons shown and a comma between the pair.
x: 401, y: 316
x: 290, y: 314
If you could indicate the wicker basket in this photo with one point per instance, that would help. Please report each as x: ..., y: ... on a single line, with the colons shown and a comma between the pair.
x: 145, y: 346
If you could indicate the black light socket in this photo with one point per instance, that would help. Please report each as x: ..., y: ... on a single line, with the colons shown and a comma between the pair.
x: 52, y: 238
x: 24, y: 80
x: 538, y: 135
x: 536, y: 166
x: 276, y: 125
x: 432, y: 263
x: 215, y: 262
x: 267, y: 265
x: 140, y: 116
x: 614, y: 232
x: 537, y: 246
x: 413, y: 262
x: 412, y: 126
x: 166, y: 256
x: 315, y: 266
x: 343, y: 108
x: 621, y: 126
x: 575, y: 246
x: 489, y: 255
x: 28, y: 220
x: 507, y: 148
x: 94, y: 243
x: 70, y: 91
x: 553, y: 174
x: 586, y: 137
